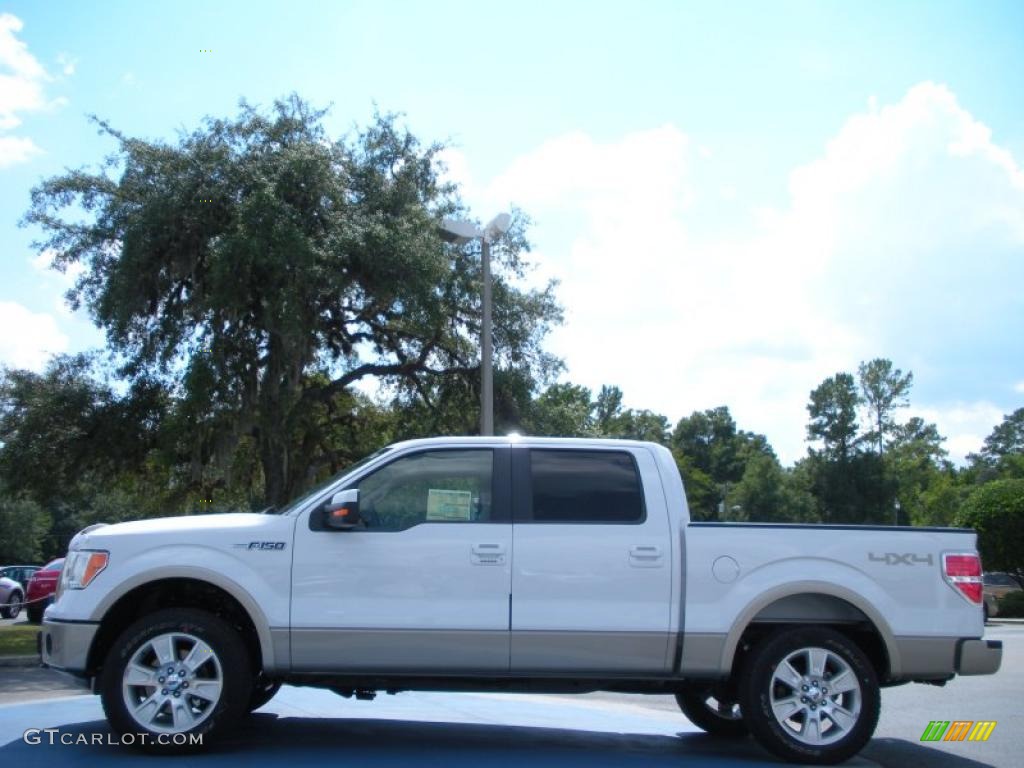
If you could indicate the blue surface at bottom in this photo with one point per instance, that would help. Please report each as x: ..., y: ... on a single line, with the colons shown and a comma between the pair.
x: 306, y: 727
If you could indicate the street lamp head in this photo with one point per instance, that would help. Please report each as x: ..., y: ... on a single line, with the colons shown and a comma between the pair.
x: 458, y: 231
x: 499, y: 225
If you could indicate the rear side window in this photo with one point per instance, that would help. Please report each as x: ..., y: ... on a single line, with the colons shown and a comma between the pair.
x: 585, y: 487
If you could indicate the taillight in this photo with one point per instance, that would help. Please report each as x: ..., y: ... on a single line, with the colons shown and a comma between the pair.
x: 963, y: 572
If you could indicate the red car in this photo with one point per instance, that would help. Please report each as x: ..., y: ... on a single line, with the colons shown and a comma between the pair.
x: 41, y: 587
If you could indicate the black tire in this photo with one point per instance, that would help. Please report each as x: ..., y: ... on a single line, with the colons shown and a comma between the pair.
x: 712, y: 709
x: 855, y: 709
x: 262, y: 692
x: 13, y: 606
x: 34, y: 611
x: 228, y: 663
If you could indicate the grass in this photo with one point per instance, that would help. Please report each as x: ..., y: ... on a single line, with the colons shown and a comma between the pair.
x: 18, y: 639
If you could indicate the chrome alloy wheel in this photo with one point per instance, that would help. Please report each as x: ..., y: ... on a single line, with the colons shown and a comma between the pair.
x: 172, y: 683
x: 815, y: 696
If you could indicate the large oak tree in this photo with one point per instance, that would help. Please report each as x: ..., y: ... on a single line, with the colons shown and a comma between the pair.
x: 260, y: 269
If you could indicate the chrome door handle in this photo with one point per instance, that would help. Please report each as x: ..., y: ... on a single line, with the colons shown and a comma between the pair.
x: 645, y: 556
x: 488, y: 554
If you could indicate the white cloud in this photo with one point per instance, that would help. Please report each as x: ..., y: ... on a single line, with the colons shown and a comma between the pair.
x: 14, y: 150
x: 965, y: 425
x: 1019, y: 387
x: 55, y: 280
x: 903, y: 239
x: 67, y: 64
x: 22, y: 89
x: 36, y: 338
x: 454, y: 167
x: 21, y: 84
x: 43, y: 261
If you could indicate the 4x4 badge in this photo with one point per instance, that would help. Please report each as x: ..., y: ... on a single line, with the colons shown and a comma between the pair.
x: 894, y: 558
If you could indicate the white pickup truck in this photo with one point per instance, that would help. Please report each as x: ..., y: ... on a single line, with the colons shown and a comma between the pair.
x: 516, y: 564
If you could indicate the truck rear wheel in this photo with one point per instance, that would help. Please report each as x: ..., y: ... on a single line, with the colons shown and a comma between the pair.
x: 810, y: 696
x: 712, y: 709
x: 178, y: 677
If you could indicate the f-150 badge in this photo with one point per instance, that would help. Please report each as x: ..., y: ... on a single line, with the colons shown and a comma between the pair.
x: 262, y: 546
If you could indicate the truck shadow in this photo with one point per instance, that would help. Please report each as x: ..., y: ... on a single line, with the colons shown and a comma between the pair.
x: 899, y: 752
x: 268, y: 740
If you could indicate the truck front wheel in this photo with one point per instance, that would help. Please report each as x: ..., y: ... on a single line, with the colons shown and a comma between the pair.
x: 712, y: 709
x: 174, y: 679
x: 810, y: 695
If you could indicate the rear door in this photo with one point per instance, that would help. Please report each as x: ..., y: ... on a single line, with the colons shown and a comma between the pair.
x: 591, y: 573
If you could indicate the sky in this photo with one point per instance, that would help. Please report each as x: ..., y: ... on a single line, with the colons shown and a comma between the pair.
x: 738, y: 199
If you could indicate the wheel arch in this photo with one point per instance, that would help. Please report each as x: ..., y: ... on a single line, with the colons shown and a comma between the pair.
x: 135, y: 596
x: 819, y: 603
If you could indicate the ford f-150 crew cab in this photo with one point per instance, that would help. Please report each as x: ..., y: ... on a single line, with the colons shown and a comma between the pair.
x: 517, y: 564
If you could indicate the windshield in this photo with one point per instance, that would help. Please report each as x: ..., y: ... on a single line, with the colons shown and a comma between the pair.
x: 327, y: 483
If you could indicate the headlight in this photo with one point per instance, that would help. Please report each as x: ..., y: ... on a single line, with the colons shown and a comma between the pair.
x: 81, y: 567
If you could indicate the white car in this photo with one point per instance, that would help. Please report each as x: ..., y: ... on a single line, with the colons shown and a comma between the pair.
x: 12, y: 597
x: 510, y: 564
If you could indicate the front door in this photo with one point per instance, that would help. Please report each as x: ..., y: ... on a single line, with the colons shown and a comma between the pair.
x: 425, y: 586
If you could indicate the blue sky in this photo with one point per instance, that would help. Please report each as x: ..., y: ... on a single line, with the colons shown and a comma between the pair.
x: 739, y: 198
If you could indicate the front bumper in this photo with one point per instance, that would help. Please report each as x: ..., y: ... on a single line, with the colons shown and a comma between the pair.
x: 978, y: 657
x: 65, y: 644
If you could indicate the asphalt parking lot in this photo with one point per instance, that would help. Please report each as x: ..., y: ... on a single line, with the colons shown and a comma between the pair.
x: 306, y: 727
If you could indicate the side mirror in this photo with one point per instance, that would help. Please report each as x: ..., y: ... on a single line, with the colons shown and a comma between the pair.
x: 341, y: 513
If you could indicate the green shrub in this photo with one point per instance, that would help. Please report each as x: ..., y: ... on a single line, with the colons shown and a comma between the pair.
x: 996, y: 511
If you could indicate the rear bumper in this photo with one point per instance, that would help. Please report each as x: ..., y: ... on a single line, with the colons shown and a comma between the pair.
x: 978, y: 657
x: 65, y: 644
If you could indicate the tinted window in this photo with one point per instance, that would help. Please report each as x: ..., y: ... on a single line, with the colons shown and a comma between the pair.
x: 585, y: 487
x: 54, y: 565
x: 430, y: 487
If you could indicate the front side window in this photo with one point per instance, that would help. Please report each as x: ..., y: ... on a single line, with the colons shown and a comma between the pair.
x: 585, y: 487
x: 430, y: 487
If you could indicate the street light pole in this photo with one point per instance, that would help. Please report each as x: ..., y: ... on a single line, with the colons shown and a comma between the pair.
x: 486, y: 349
x: 462, y: 232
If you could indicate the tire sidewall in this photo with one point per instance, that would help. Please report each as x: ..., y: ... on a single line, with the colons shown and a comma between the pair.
x: 691, y: 701
x: 220, y: 636
x: 755, y: 700
x: 12, y: 608
x: 262, y: 692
